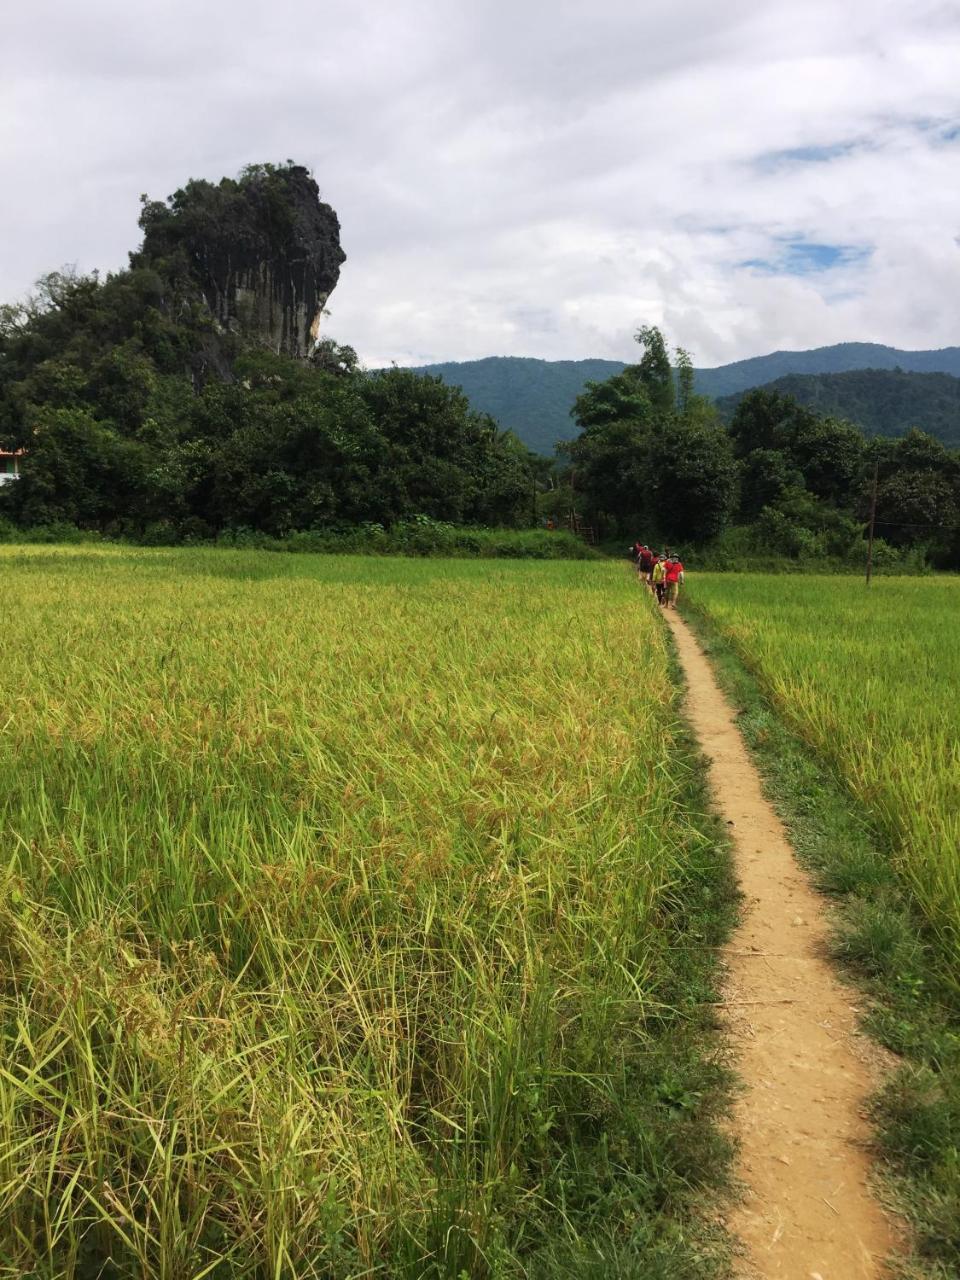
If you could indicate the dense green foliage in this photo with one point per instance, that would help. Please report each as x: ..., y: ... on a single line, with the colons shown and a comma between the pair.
x: 142, y: 414
x: 281, y: 447
x: 533, y: 397
x: 419, y: 536
x: 645, y: 456
x: 347, y: 909
x: 806, y: 482
x: 886, y: 402
x: 797, y: 482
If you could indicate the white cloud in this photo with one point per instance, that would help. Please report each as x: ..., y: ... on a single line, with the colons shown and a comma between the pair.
x: 530, y: 177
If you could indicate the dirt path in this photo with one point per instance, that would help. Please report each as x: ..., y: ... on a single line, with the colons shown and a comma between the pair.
x: 807, y: 1214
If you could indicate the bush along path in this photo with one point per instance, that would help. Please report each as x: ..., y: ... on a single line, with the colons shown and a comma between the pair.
x: 806, y: 1210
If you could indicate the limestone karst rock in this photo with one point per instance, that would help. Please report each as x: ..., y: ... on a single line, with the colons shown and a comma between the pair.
x: 263, y: 249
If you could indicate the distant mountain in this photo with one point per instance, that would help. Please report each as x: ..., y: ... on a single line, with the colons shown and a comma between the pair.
x: 884, y: 402
x: 534, y: 397
x: 845, y: 356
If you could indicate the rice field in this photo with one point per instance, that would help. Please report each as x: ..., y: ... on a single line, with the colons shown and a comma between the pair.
x: 871, y: 679
x: 340, y: 901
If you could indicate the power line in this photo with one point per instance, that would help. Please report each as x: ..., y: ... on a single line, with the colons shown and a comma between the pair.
x: 914, y: 524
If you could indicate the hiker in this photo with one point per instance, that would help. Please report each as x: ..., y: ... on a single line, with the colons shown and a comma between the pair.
x: 645, y: 562
x: 657, y: 576
x: 673, y: 578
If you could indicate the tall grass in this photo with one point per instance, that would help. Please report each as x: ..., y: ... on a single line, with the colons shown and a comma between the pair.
x: 871, y: 678
x: 338, y: 902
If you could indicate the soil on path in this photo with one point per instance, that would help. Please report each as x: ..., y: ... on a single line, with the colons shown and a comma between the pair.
x: 807, y: 1213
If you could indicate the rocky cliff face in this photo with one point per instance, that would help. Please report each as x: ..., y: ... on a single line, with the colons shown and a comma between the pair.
x: 263, y: 249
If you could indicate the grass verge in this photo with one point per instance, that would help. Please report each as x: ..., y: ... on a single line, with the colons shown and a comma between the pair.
x: 883, y: 943
x: 417, y: 537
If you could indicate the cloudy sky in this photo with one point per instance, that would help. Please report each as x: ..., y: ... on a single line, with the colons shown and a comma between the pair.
x: 522, y: 177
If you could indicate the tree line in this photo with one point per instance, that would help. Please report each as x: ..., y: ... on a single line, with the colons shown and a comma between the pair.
x: 652, y: 457
x: 140, y: 418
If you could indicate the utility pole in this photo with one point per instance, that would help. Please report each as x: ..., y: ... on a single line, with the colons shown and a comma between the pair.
x: 873, y: 519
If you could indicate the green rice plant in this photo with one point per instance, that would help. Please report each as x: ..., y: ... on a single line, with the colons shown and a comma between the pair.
x: 338, y: 907
x: 871, y: 679
x: 882, y: 937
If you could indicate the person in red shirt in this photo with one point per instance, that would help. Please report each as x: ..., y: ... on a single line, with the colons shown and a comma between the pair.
x: 645, y: 562
x: 673, y: 579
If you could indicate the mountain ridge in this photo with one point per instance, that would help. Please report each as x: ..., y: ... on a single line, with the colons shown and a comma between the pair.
x: 885, y: 402
x: 533, y: 397
x: 841, y: 357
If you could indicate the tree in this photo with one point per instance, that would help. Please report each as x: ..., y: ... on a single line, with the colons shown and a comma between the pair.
x: 916, y: 506
x: 332, y: 357
x: 685, y: 378
x: 800, y: 524
x: 918, y: 494
x: 654, y: 369
x: 766, y: 420
x: 642, y: 458
x: 78, y: 470
x: 622, y: 398
x: 611, y: 476
x: 765, y: 475
x: 449, y: 462
x: 829, y: 453
x: 297, y: 463
x: 695, y: 486
x: 919, y: 451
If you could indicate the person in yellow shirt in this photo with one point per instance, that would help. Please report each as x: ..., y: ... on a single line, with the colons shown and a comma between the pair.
x: 658, y: 578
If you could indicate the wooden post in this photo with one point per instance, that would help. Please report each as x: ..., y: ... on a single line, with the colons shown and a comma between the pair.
x: 873, y: 519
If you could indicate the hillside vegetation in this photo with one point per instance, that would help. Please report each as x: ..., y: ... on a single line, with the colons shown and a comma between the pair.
x: 839, y: 358
x: 533, y: 397
x: 883, y: 402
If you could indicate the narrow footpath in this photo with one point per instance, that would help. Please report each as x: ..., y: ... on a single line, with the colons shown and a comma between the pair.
x: 807, y: 1213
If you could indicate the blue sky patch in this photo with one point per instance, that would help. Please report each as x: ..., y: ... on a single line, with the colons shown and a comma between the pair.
x: 805, y: 257
x: 935, y: 129
x: 772, y: 160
